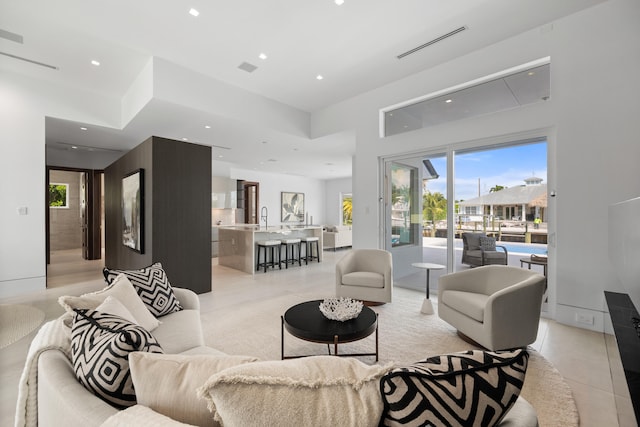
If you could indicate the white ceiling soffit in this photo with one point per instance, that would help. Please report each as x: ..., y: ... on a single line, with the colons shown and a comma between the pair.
x: 500, y: 91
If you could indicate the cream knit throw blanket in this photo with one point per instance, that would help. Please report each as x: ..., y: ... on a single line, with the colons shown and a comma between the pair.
x: 53, y: 335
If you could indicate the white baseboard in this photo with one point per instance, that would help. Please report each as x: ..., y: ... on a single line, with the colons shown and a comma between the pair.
x: 12, y: 288
x: 592, y: 320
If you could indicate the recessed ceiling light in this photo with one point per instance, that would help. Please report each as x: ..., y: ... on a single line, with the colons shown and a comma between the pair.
x: 262, y: 56
x: 75, y: 147
x: 319, y: 77
x: 185, y: 139
x: 96, y: 63
x: 83, y: 128
x: 338, y: 2
x: 448, y: 101
x: 207, y: 127
x: 220, y: 156
x: 530, y: 73
x: 193, y: 12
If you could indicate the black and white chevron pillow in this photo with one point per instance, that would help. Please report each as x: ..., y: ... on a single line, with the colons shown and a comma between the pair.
x: 153, y: 287
x: 100, y: 347
x: 473, y: 388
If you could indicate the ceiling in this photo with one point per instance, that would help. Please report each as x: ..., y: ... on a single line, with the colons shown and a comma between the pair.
x: 354, y: 47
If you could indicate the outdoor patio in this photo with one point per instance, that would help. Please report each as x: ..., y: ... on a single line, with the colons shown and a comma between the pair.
x: 434, y: 250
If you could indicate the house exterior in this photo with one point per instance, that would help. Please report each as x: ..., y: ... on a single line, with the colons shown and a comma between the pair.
x: 522, y: 203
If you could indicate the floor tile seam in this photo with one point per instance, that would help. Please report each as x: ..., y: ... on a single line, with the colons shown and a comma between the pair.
x: 593, y: 386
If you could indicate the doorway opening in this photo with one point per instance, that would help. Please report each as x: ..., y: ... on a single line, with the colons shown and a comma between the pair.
x: 251, y: 191
x: 74, y: 225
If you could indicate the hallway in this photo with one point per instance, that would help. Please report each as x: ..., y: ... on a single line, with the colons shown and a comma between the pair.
x: 67, y: 266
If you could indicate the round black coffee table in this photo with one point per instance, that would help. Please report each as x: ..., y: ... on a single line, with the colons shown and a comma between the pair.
x: 305, y: 321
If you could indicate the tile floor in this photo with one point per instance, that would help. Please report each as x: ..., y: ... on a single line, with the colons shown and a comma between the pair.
x: 589, y: 361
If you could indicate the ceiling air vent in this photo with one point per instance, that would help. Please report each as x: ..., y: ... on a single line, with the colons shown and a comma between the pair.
x: 11, y: 36
x: 20, y: 58
x: 434, y: 41
x: 67, y: 146
x: 249, y: 68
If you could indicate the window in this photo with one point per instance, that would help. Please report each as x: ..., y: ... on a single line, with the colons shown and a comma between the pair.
x: 347, y: 207
x: 512, y: 88
x: 58, y: 195
x: 405, y: 210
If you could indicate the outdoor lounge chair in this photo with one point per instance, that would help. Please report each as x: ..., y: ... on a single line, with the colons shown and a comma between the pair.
x: 478, y: 249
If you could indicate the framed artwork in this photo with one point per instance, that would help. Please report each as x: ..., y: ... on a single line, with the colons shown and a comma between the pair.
x: 133, y: 210
x: 292, y: 207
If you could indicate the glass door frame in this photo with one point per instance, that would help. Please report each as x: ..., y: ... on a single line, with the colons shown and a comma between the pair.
x: 546, y: 134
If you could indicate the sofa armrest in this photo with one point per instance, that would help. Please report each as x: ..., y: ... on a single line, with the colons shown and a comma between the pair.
x: 62, y: 400
x: 188, y: 299
x: 139, y: 415
x: 345, y: 265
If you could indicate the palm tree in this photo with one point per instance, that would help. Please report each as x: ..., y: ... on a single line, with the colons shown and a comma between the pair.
x: 347, y: 209
x: 497, y: 188
x: 434, y: 208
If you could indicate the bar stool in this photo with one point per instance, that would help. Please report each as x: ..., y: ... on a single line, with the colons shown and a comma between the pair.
x: 309, y: 243
x: 263, y: 247
x: 289, y: 251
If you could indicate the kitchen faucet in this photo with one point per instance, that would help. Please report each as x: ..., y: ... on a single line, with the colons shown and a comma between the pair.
x: 264, y: 213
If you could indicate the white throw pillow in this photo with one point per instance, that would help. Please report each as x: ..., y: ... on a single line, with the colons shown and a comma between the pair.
x: 167, y: 383
x: 318, y: 390
x: 124, y: 292
x: 112, y: 305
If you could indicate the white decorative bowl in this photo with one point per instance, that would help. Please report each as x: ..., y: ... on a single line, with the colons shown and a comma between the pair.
x: 340, y: 308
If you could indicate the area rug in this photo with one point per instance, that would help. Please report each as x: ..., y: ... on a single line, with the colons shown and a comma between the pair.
x: 17, y: 321
x: 253, y: 327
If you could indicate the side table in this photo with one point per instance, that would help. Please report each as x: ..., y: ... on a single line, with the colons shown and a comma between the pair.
x: 427, y: 307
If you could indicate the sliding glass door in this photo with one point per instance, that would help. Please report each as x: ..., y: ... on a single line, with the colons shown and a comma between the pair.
x: 432, y: 198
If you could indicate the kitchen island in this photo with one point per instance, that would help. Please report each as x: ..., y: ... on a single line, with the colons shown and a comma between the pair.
x: 237, y: 243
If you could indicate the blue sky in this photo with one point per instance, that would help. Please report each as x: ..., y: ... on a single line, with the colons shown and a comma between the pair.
x: 505, y: 166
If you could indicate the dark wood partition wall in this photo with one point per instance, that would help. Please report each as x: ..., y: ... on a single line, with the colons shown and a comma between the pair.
x: 116, y: 254
x: 177, y: 211
x: 182, y: 212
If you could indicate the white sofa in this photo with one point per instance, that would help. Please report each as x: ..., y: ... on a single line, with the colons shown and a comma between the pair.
x: 335, y: 237
x: 63, y: 401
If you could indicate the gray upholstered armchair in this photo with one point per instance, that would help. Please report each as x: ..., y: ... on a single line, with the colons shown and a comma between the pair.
x: 496, y: 306
x: 478, y: 249
x: 365, y: 274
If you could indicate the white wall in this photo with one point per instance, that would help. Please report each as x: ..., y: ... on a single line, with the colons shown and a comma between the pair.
x: 322, y: 197
x: 24, y: 103
x: 272, y: 184
x: 335, y: 188
x: 591, y: 121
